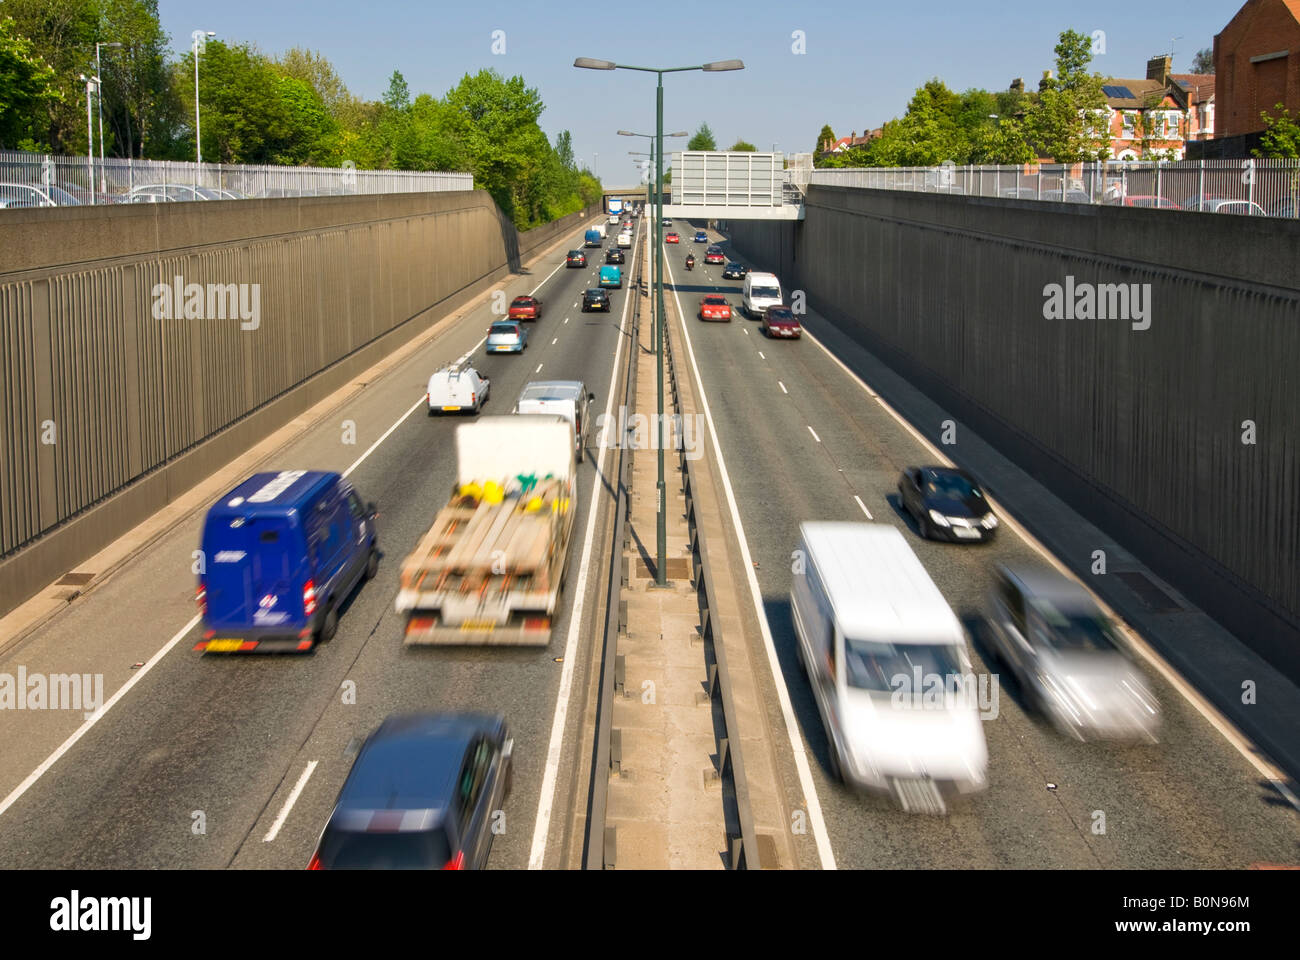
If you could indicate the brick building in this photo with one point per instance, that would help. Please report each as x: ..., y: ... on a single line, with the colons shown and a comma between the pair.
x: 1257, y: 65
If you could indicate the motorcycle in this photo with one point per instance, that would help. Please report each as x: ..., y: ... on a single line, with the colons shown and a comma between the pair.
x: 690, y: 263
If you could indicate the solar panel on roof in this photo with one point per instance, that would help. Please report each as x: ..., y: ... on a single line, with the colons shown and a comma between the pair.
x: 1116, y: 91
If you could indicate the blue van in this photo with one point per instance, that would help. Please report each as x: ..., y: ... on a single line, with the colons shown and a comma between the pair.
x: 281, y: 553
x: 611, y: 277
x: 593, y: 239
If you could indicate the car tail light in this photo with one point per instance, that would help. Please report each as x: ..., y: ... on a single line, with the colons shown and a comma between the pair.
x: 315, y: 861
x: 309, y: 597
x: 457, y: 862
x: 201, y: 598
x: 473, y: 398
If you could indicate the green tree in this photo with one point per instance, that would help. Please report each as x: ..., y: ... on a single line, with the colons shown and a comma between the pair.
x: 1203, y: 62
x: 1281, y: 138
x: 63, y: 35
x: 315, y: 69
x: 1065, y: 122
x: 824, y: 139
x: 26, y: 86
x: 703, y: 139
x: 744, y: 146
x: 398, y: 95
x: 245, y: 117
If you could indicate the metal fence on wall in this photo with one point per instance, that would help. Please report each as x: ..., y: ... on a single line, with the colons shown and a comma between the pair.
x: 41, y: 180
x: 1245, y: 187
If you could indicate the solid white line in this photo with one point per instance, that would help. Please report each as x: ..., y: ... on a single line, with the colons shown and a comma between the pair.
x: 94, y: 718
x: 546, y: 798
x: 166, y: 648
x: 1208, y: 711
x: 289, y: 802
x: 802, y: 767
x: 782, y: 386
x: 863, y: 506
x: 814, y: 433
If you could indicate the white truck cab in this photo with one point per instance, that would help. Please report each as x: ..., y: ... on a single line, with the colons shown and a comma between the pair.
x: 456, y: 389
x: 566, y: 398
x: 887, y: 662
x: 762, y: 290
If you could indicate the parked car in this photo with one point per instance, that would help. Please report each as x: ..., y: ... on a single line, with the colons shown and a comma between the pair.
x: 282, y: 553
x: 1223, y: 205
x: 1289, y: 207
x: 947, y: 504
x: 614, y: 255
x: 734, y: 271
x: 714, y: 255
x: 1144, y: 200
x: 525, y: 308
x: 594, y: 298
x: 424, y: 793
x: 455, y: 389
x: 781, y: 323
x: 575, y: 258
x: 33, y: 195
x: 1066, y: 657
x: 714, y: 307
x: 159, y: 193
x: 507, y: 336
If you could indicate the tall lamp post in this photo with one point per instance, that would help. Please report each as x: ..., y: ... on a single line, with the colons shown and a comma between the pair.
x: 99, y: 72
x: 655, y: 192
x: 200, y: 38
x: 588, y: 63
x: 92, y: 84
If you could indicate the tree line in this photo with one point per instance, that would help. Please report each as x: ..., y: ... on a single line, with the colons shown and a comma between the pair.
x: 291, y: 109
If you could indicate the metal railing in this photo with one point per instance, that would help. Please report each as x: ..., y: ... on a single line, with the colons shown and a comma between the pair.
x: 1255, y: 187
x: 38, y: 180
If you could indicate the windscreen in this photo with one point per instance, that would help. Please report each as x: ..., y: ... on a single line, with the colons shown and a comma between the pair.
x: 764, y: 293
x: 872, y: 665
x: 1076, y: 630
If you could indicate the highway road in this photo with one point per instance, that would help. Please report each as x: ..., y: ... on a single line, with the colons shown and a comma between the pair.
x: 215, y: 762
x: 802, y: 439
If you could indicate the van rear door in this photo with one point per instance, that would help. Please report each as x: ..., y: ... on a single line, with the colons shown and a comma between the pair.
x: 249, y: 576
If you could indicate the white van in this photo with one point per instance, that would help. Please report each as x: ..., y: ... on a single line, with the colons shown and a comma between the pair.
x: 600, y: 228
x: 565, y: 398
x: 887, y: 662
x: 762, y: 290
x: 455, y: 389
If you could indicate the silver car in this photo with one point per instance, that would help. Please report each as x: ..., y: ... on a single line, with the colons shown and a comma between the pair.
x: 1047, y: 631
x: 507, y: 336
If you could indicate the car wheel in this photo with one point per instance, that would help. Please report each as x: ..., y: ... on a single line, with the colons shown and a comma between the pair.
x: 431, y: 411
x: 330, y: 625
x: 372, y: 564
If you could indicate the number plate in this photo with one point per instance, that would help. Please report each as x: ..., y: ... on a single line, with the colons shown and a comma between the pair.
x: 223, y: 646
x: 967, y: 532
x: 478, y: 625
x: 451, y: 408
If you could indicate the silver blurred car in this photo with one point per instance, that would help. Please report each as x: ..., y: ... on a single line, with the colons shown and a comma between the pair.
x: 507, y: 336
x: 1047, y: 631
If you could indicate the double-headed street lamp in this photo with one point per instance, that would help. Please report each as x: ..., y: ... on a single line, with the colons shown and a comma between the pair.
x: 654, y: 189
x: 717, y: 66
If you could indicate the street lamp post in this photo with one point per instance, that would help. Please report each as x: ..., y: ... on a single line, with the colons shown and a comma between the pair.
x: 99, y: 72
x: 589, y: 63
x: 92, y: 84
x: 656, y: 203
x: 199, y: 37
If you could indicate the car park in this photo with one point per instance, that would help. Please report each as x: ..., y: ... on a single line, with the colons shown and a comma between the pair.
x: 714, y: 307
x: 1066, y: 656
x: 456, y: 389
x: 595, y: 298
x: 33, y: 195
x: 734, y: 271
x: 282, y: 552
x: 875, y: 637
x: 507, y: 336
x: 714, y: 255
x: 425, y: 792
x: 575, y: 258
x: 947, y: 504
x: 614, y: 255
x: 611, y: 276
x: 525, y: 308
x: 672, y: 237
x: 565, y: 398
x: 760, y: 291
x: 780, y: 323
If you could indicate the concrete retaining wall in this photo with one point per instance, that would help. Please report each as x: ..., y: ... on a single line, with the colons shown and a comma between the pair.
x: 1139, y: 430
x: 109, y: 407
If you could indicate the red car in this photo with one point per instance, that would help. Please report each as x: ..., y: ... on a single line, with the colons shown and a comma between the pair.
x: 672, y: 238
x: 576, y: 258
x: 714, y: 255
x: 525, y: 308
x: 714, y: 307
x: 780, y: 323
x: 1162, y: 203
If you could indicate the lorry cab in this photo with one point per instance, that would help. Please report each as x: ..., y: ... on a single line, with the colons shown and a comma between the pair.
x: 566, y: 398
x: 280, y: 553
x: 886, y: 659
x: 761, y: 290
x: 455, y: 389
x: 611, y: 277
x: 592, y: 239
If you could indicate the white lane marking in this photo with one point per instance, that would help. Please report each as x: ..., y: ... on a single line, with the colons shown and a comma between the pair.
x: 555, y: 341
x: 760, y: 353
x: 566, y: 319
x: 81, y: 731
x: 539, y: 369
x: 814, y: 433
x: 782, y: 386
x: 746, y: 329
x: 546, y: 798
x: 1208, y: 711
x: 824, y: 852
x: 289, y: 802
x: 863, y: 506
x: 94, y: 718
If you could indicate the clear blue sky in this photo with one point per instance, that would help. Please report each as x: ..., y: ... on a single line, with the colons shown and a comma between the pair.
x: 863, y: 60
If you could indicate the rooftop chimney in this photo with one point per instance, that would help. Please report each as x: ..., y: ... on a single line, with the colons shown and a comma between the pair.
x: 1018, y: 85
x: 1047, y: 79
x: 1159, y: 68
